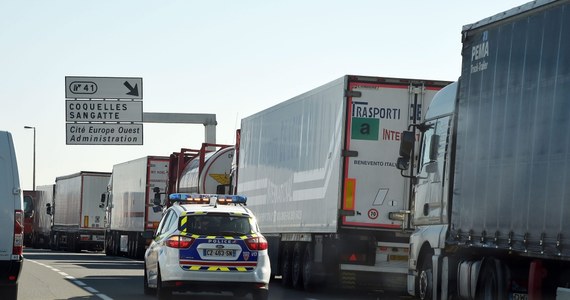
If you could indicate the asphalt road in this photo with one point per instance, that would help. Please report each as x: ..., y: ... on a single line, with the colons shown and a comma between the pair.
x: 58, y: 275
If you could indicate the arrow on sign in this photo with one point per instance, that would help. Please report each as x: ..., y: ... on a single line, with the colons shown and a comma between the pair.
x: 134, y: 91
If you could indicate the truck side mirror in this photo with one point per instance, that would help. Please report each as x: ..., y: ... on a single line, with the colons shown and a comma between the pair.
x: 407, y: 143
x: 156, y: 200
x: 103, y: 198
x: 403, y: 163
x: 48, y: 209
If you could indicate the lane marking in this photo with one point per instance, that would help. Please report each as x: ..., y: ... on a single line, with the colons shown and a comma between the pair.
x: 80, y: 283
x: 104, y: 297
x: 73, y: 280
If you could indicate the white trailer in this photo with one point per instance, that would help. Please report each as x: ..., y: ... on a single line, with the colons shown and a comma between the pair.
x: 130, y: 218
x: 77, y: 217
x: 319, y: 173
x: 41, y: 225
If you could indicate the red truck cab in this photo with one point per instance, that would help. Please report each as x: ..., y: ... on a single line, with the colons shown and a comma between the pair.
x: 30, y: 198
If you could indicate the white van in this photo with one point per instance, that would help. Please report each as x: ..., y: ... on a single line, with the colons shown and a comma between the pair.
x: 11, y: 219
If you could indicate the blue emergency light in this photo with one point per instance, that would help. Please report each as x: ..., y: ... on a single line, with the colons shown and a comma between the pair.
x: 205, y: 198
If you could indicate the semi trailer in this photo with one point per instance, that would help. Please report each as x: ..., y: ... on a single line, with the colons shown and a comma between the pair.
x: 77, y: 218
x: 319, y: 172
x: 490, y: 187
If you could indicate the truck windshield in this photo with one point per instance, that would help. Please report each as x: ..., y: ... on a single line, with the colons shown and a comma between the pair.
x: 215, y: 224
x: 439, y: 128
x: 28, y: 204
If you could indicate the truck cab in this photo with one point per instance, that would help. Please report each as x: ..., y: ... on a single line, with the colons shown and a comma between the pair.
x: 30, y: 198
x: 429, y: 196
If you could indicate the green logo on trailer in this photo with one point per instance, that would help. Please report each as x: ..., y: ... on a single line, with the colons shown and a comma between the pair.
x: 365, y: 129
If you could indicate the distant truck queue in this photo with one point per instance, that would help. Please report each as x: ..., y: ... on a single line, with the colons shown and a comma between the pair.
x: 474, y: 207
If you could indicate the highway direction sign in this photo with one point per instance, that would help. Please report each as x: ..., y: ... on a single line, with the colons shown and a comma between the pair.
x: 103, y: 111
x: 103, y: 87
x: 103, y: 134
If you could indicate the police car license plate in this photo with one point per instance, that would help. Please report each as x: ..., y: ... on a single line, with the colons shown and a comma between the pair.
x: 219, y: 252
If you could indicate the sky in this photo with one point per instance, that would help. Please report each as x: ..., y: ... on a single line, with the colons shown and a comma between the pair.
x: 228, y: 58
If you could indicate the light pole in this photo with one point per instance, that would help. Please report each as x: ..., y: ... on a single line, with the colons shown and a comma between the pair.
x: 34, y: 174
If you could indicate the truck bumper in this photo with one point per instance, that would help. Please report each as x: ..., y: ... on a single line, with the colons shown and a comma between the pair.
x: 10, y: 271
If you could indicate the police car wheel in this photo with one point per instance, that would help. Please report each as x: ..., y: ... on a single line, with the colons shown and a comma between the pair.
x: 146, y: 288
x: 260, y: 295
x: 162, y: 292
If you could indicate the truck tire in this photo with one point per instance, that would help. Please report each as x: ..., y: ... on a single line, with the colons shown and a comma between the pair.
x: 424, y: 284
x: 74, y: 243
x: 107, y: 244
x: 491, y: 283
x: 286, y: 258
x: 115, y: 249
x: 311, y: 275
x: 55, y: 242
x: 297, y: 267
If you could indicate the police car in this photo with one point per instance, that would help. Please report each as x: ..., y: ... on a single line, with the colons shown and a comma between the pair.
x: 207, y: 243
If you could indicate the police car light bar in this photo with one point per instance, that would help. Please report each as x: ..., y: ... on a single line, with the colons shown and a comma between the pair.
x: 205, y: 198
x: 228, y: 199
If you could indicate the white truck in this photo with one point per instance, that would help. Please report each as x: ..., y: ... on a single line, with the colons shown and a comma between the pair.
x: 77, y: 217
x: 42, y: 222
x: 11, y: 219
x: 129, y: 215
x: 319, y: 173
x: 491, y: 193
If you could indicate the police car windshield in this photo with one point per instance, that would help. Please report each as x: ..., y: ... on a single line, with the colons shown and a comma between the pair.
x: 215, y: 224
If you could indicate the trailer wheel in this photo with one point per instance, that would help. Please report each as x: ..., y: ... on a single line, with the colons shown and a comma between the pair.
x: 107, y: 244
x: 425, y: 278
x: 491, y: 284
x: 297, y: 268
x: 115, y: 243
x: 55, y: 242
x: 286, y: 258
x: 310, y: 277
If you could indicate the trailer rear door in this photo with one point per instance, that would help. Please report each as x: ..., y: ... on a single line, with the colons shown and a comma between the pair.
x: 378, y: 111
